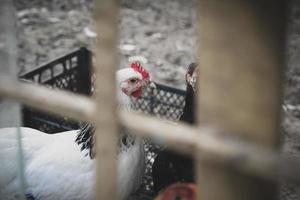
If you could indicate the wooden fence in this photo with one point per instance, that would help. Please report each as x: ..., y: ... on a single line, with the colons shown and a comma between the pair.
x: 235, y: 141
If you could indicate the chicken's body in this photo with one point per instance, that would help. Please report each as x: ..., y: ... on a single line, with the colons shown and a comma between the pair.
x: 171, y: 167
x: 57, y: 168
x: 47, y: 157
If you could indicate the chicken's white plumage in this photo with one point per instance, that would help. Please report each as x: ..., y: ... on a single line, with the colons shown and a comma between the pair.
x: 57, y: 168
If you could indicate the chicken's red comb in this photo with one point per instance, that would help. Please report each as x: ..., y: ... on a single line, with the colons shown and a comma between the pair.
x: 139, y: 68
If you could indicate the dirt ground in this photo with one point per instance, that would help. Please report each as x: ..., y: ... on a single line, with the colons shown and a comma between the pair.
x: 161, y: 33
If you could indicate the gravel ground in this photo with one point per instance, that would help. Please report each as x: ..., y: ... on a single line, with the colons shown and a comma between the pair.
x: 291, y: 115
x: 161, y: 32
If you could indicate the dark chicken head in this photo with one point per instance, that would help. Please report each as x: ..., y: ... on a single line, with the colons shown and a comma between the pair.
x: 191, y: 75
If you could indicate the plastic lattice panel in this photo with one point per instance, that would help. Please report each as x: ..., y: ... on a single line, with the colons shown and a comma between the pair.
x: 162, y: 101
x: 70, y: 72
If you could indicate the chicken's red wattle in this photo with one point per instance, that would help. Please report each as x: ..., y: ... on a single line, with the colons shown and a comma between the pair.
x: 137, y: 93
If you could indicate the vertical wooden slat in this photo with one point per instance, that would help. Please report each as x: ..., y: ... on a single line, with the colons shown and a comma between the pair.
x: 10, y: 115
x: 9, y: 111
x: 241, y: 58
x: 106, y: 122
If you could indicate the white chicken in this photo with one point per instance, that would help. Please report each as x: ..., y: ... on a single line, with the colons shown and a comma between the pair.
x: 57, y: 167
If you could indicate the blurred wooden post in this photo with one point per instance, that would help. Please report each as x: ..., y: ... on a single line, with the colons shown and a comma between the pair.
x: 10, y: 115
x: 106, y: 121
x: 241, y: 59
x: 9, y: 111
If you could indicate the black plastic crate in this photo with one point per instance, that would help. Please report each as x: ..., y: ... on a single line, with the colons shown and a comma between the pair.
x: 70, y: 72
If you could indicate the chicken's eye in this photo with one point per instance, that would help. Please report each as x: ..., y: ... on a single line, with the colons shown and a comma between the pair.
x: 133, y: 80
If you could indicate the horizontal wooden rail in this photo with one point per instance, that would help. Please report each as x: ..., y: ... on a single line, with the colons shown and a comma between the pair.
x: 238, y: 154
x: 40, y: 97
x: 247, y: 157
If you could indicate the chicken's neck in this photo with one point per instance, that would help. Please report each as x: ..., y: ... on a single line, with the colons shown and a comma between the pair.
x: 85, y: 136
x: 124, y: 102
